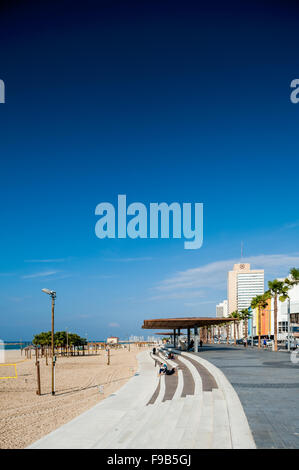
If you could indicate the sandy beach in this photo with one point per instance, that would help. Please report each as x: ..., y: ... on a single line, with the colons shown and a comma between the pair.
x: 26, y: 416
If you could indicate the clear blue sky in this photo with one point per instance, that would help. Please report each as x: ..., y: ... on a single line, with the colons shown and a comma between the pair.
x: 162, y: 101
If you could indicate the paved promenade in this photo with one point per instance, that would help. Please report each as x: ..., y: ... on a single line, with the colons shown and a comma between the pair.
x: 196, y: 408
x: 267, y: 384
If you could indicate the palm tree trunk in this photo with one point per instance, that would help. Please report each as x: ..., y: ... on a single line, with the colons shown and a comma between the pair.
x: 275, y: 322
x: 259, y: 329
x: 227, y: 334
x: 235, y: 342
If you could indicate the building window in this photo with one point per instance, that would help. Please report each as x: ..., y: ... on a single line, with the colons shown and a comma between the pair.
x: 282, y: 326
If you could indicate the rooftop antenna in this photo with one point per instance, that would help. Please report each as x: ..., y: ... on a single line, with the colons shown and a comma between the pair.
x: 241, y: 249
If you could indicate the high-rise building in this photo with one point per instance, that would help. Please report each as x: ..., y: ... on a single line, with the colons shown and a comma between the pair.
x: 243, y: 284
x: 221, y: 309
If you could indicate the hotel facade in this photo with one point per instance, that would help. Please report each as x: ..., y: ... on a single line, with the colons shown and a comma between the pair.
x: 243, y: 284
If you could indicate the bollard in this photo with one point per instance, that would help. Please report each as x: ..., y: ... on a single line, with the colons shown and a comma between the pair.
x: 38, y: 391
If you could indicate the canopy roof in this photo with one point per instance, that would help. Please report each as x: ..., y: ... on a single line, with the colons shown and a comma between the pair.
x: 165, y: 333
x: 182, y: 323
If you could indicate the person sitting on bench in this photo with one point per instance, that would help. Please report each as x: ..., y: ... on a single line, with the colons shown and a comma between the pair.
x: 163, y: 368
x: 170, y: 372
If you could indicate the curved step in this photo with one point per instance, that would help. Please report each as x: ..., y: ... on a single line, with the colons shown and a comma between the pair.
x: 187, y: 435
x: 168, y: 386
x: 149, y: 425
x: 188, y: 381
x: 207, y: 379
x: 241, y: 435
x: 180, y: 385
x: 195, y: 374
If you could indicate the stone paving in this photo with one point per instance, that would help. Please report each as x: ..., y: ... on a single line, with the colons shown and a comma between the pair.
x: 267, y: 384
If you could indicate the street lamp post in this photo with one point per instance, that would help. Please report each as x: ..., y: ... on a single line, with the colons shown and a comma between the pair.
x: 289, y: 324
x: 53, y: 296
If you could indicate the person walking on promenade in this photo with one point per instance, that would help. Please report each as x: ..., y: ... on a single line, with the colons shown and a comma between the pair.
x: 200, y: 343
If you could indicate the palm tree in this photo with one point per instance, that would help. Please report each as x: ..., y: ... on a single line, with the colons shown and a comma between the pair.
x: 260, y: 302
x: 294, y: 272
x: 236, y: 317
x: 277, y: 289
x: 245, y: 314
x: 291, y: 281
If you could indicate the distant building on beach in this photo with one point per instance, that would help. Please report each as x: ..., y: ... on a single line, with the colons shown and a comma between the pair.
x: 136, y: 339
x: 112, y: 340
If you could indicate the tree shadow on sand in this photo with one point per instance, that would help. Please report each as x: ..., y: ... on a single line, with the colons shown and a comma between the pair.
x: 81, y: 389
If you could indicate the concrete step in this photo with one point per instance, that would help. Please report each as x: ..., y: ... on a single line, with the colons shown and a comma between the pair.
x: 241, y: 435
x: 170, y: 424
x: 138, y: 430
x: 187, y: 436
x: 145, y: 435
x: 180, y: 385
x: 160, y: 397
x: 221, y: 428
x: 109, y: 426
x: 181, y: 423
x: 125, y: 429
x: 109, y: 435
x: 161, y: 437
x: 195, y: 375
x: 203, y: 432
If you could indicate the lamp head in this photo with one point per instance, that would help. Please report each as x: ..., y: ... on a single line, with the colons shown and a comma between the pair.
x: 52, y: 293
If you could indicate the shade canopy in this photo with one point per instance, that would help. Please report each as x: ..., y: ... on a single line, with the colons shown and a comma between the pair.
x: 165, y: 333
x: 183, y: 323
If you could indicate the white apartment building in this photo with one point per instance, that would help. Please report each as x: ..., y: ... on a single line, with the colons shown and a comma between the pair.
x: 222, y: 309
x: 243, y: 284
x: 249, y: 285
